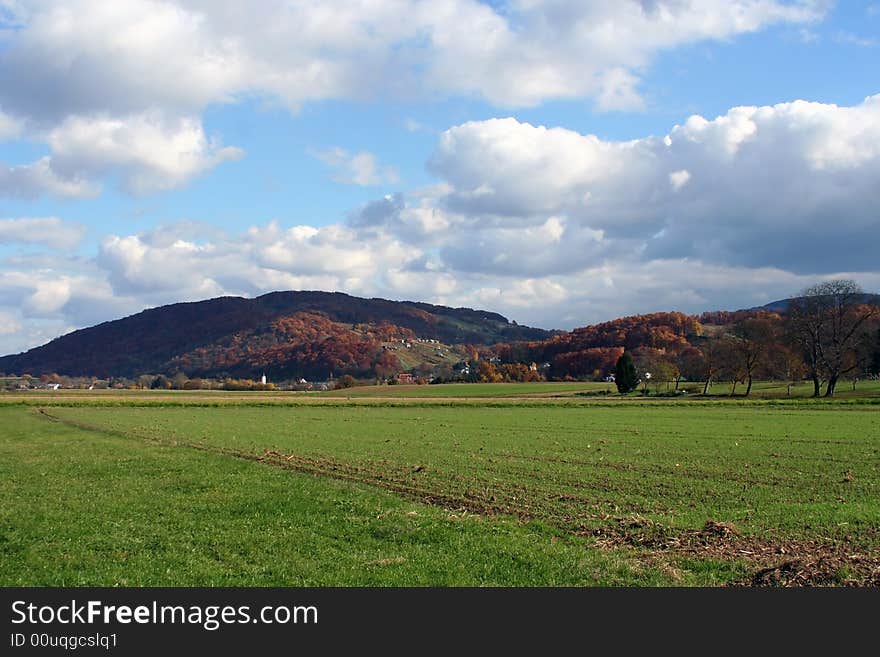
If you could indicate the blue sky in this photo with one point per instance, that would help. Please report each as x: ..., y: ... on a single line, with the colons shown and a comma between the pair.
x: 153, y: 152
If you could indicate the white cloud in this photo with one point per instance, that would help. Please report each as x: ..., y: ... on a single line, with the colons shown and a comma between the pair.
x: 124, y: 56
x: 10, y: 127
x: 360, y: 168
x: 49, y: 231
x: 551, y: 227
x: 65, y: 290
x: 679, y: 179
x: 89, y: 57
x: 266, y: 258
x: 791, y: 185
x: 119, y: 87
x: 536, y: 50
x: 49, y: 296
x: 38, y: 179
x: 151, y: 151
x: 8, y: 324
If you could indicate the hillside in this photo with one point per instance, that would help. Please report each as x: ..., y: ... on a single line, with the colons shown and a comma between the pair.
x: 592, y: 351
x: 291, y: 333
x: 782, y: 305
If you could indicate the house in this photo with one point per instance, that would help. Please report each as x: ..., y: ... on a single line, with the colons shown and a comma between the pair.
x: 405, y: 377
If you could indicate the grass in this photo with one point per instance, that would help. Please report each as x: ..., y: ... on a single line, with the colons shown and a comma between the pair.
x: 87, y: 508
x: 470, y: 390
x: 494, y: 490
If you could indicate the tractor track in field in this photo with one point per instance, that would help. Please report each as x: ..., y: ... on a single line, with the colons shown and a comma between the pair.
x: 771, y: 562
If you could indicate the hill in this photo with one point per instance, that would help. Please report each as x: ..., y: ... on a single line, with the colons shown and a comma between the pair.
x: 782, y: 305
x: 303, y: 333
x: 591, y: 351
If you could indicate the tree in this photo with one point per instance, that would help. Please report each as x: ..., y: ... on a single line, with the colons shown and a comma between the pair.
x: 828, y: 322
x: 161, y: 382
x: 753, y: 339
x: 488, y: 373
x: 386, y: 365
x: 625, y: 376
x: 803, y: 326
x: 787, y: 364
x: 665, y: 371
x: 692, y: 365
x: 875, y: 360
x: 712, y: 361
x: 728, y: 362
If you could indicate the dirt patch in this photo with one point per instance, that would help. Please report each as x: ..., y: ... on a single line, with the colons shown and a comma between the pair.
x: 784, y: 563
x: 823, y: 569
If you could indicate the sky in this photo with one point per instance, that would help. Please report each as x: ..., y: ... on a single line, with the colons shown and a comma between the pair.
x: 561, y: 163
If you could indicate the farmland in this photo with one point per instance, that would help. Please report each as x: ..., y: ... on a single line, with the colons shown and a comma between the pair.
x: 513, y: 486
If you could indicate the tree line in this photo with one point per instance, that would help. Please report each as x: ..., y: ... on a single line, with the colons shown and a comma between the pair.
x: 826, y: 334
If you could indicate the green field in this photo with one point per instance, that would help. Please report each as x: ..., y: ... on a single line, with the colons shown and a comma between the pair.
x: 172, y: 489
x: 470, y: 390
x: 760, y: 390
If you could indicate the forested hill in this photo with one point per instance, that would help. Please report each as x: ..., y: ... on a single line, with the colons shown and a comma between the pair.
x: 299, y: 333
x: 782, y: 305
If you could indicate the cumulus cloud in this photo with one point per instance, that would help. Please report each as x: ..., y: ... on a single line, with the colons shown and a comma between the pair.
x: 533, y: 51
x: 87, y: 57
x: 126, y: 55
x: 88, y: 76
x: 549, y: 226
x: 791, y: 185
x: 150, y: 151
x: 48, y: 231
x: 9, y: 127
x: 262, y: 259
x: 8, y: 324
x: 356, y: 168
x: 29, y: 181
x: 67, y: 291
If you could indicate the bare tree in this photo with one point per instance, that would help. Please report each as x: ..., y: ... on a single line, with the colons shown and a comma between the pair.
x: 707, y: 364
x: 827, y: 322
x: 804, y: 326
x: 727, y: 361
x: 753, y: 340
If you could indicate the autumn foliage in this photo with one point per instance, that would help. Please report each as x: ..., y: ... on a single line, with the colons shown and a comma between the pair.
x: 306, y: 345
x: 592, y: 351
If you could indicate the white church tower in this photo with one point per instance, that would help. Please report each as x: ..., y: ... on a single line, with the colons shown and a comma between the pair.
x: 263, y: 379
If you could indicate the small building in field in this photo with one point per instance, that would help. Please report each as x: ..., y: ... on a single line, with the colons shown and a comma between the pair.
x: 405, y: 377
